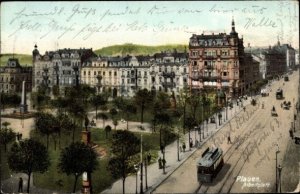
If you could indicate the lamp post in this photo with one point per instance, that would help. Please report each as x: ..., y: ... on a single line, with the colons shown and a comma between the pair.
x: 146, y: 181
x: 279, y: 172
x: 141, y: 186
x: 136, y: 167
x: 277, y: 152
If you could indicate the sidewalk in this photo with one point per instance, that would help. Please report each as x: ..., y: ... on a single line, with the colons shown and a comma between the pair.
x: 155, y: 175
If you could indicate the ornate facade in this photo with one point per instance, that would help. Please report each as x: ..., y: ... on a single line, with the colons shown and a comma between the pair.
x: 60, y: 68
x: 12, y: 75
x: 216, y: 62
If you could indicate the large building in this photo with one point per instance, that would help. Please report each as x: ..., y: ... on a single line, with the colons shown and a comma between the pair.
x: 13, y: 74
x: 123, y: 76
x: 275, y: 60
x: 217, y: 62
x: 60, y: 68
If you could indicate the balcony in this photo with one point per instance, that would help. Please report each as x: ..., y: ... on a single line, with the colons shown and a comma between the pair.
x: 152, y: 72
x: 168, y: 84
x: 210, y: 78
x: 195, y: 77
x: 168, y: 74
x: 209, y: 67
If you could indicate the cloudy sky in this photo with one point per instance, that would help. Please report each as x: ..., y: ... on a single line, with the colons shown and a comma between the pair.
x: 53, y: 25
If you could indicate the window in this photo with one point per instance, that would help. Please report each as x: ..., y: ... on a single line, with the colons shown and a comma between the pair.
x: 225, y: 74
x: 115, y: 73
x: 195, y: 62
x: 184, y: 70
x: 153, y: 79
x: 145, y: 74
x: 103, y: 72
x: 89, y: 73
x: 95, y: 72
x: 109, y: 73
x: 159, y: 69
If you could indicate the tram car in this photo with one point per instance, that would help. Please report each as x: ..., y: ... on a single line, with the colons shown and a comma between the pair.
x: 209, y: 165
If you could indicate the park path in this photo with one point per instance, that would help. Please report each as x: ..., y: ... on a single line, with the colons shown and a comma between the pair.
x: 155, y: 176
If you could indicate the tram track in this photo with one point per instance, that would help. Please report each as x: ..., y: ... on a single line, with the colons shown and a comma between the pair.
x: 231, y: 150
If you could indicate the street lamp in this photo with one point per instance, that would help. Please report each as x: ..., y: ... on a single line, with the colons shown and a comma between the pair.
x: 136, y: 168
x: 279, y: 171
x: 276, y: 153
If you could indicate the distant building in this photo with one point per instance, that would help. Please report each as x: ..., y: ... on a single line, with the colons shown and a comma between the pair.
x: 123, y: 76
x: 275, y: 61
x: 60, y: 68
x: 13, y: 74
x: 169, y: 72
x: 217, y: 63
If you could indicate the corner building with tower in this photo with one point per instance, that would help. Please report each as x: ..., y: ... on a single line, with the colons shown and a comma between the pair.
x: 217, y: 63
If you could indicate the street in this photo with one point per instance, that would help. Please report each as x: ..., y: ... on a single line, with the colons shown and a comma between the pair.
x: 249, y: 161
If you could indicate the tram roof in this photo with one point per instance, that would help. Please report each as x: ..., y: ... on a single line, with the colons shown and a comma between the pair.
x: 209, y: 157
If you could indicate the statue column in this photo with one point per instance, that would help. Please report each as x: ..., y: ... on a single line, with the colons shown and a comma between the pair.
x: 23, y: 106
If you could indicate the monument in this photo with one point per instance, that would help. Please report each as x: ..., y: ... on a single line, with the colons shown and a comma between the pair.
x: 23, y: 106
x: 86, y: 139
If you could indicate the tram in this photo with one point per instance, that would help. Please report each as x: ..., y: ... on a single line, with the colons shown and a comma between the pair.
x: 209, y: 165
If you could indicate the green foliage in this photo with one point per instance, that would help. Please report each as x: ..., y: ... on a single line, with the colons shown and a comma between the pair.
x: 23, y: 59
x: 124, y: 145
x: 142, y: 99
x: 28, y: 156
x: 10, y: 100
x: 107, y: 130
x: 6, y: 136
x: 46, y: 123
x: 77, y: 159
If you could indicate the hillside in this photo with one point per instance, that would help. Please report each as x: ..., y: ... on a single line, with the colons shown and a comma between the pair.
x: 135, y: 49
x: 23, y: 59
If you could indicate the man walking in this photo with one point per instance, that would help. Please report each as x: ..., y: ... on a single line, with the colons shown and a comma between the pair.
x: 229, y: 140
x: 20, y: 190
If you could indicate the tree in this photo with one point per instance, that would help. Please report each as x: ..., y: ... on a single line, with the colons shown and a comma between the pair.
x: 113, y: 112
x: 194, y: 101
x: 28, y: 156
x: 124, y: 146
x: 162, y: 119
x: 190, y: 123
x: 115, y: 123
x: 142, y: 99
x: 107, y: 130
x: 98, y: 100
x: 129, y: 109
x: 104, y: 117
x: 44, y: 123
x: 6, y: 135
x: 77, y: 159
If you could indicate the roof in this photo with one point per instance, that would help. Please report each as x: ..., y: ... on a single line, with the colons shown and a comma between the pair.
x: 209, y: 157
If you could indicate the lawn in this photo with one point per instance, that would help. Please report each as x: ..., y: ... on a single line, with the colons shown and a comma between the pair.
x: 101, y: 178
x: 5, y: 172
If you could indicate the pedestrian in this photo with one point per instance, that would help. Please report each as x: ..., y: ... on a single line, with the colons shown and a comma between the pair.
x: 164, y: 163
x: 159, y: 163
x: 291, y: 133
x: 196, y: 143
x: 149, y: 158
x: 229, y: 140
x: 191, y: 143
x: 244, y: 108
x: 183, y: 147
x: 20, y: 190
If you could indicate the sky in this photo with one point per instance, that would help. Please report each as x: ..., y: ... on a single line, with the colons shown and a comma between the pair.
x: 56, y: 25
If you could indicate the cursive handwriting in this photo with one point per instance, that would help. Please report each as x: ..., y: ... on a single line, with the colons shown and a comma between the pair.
x: 263, y: 22
x: 127, y: 11
x: 22, y: 13
x: 55, y: 26
x: 77, y: 10
x: 27, y: 25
